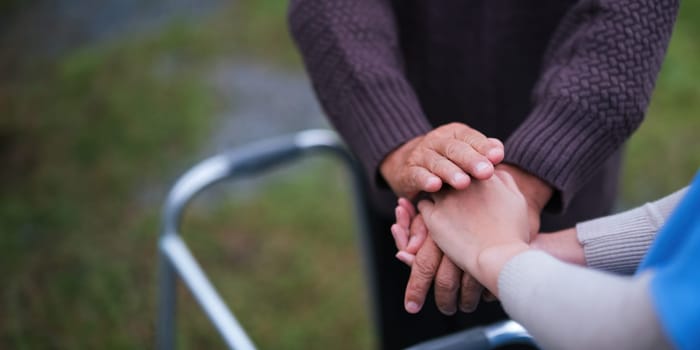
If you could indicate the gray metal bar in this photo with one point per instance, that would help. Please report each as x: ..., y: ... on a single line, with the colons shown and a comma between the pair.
x: 176, y: 259
x: 167, y: 280
x: 214, y: 307
x: 480, y: 338
x: 508, y: 332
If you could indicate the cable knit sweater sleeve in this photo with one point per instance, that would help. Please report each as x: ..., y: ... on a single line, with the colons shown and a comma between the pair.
x: 351, y: 51
x: 595, y: 84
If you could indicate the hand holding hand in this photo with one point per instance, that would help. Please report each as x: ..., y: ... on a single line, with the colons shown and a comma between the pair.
x: 481, y: 227
x: 453, y: 287
x: 448, y: 154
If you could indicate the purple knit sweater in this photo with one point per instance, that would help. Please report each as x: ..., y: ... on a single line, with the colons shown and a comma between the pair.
x: 563, y: 82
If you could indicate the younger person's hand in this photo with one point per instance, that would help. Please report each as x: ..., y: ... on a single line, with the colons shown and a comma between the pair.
x: 479, y: 228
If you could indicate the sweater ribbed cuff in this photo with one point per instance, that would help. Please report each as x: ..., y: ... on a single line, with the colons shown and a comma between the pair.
x: 561, y: 144
x: 618, y: 243
x: 386, y: 117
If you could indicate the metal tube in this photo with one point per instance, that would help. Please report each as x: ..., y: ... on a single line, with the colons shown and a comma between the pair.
x: 165, y: 331
x: 508, y: 332
x: 176, y: 259
x: 214, y: 307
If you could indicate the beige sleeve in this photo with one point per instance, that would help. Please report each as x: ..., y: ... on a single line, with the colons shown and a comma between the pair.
x: 566, y: 306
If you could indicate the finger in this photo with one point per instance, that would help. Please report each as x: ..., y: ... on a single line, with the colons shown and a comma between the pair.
x: 406, y: 204
x: 466, y: 157
x: 419, y: 178
x: 447, y: 281
x: 488, y: 147
x: 406, y: 258
x: 418, y: 233
x: 441, y: 165
x: 403, y: 219
x: 487, y: 296
x: 469, y: 293
x: 497, y: 151
x: 422, y: 273
x: 400, y: 236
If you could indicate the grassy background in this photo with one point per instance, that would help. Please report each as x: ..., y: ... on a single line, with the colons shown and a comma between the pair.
x: 87, y: 138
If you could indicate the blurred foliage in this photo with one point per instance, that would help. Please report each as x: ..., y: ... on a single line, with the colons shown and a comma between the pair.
x: 82, y: 137
x: 89, y: 138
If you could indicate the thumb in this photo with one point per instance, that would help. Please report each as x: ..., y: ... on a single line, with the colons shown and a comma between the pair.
x: 426, y: 208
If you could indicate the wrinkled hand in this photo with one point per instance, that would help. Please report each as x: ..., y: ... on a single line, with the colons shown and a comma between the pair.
x: 448, y: 154
x: 453, y: 288
x: 490, y: 216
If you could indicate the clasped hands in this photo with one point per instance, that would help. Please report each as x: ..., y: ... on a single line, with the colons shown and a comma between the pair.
x: 459, y: 240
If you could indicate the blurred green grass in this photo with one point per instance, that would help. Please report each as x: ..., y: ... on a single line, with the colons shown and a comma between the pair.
x: 89, y: 136
x: 84, y: 137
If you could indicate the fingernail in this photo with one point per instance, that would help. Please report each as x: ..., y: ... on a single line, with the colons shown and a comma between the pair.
x: 459, y: 178
x: 432, y: 181
x: 467, y: 307
x: 495, y: 153
x: 482, y: 167
x: 412, y: 307
x: 402, y: 258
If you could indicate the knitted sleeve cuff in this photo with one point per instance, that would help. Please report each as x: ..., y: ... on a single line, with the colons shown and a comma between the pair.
x: 351, y: 51
x: 617, y: 243
x: 561, y: 144
x: 386, y: 115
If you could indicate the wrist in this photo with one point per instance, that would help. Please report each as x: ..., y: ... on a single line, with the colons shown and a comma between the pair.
x: 491, y: 260
x: 389, y: 166
x: 536, y: 191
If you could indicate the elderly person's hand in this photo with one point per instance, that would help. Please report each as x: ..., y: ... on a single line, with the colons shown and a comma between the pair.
x: 448, y: 154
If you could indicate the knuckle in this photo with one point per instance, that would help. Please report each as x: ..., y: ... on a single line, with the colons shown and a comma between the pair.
x: 471, y: 139
x: 413, y: 178
x: 452, y: 150
x: 446, y: 284
x: 434, y: 164
x: 425, y: 268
